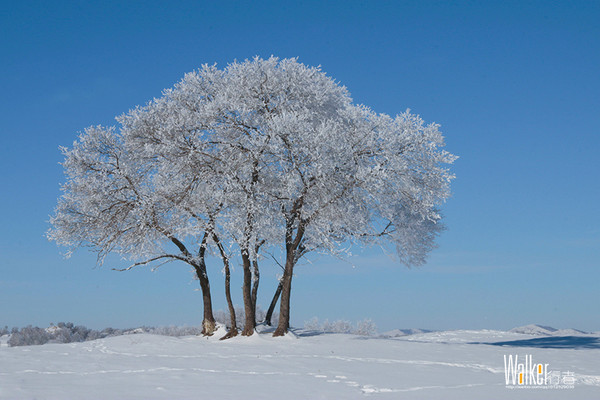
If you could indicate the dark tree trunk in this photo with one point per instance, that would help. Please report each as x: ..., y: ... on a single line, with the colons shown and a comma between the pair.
x: 256, y: 276
x: 255, y: 281
x: 249, y: 298
x: 208, y: 323
x: 233, y: 331
x: 269, y: 315
x: 292, y: 245
x: 284, y: 305
x: 250, y: 321
x: 232, y: 321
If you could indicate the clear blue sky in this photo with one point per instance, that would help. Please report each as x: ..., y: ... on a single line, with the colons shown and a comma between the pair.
x: 515, y: 86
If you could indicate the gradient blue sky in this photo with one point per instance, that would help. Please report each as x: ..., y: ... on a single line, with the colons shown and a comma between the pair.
x: 515, y: 86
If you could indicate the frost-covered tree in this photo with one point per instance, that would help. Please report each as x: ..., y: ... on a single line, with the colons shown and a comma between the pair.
x: 273, y: 154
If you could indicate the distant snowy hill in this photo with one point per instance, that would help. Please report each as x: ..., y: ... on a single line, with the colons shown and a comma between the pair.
x: 403, y: 332
x: 541, y: 330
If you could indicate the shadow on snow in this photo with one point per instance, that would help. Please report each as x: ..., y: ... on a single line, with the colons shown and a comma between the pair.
x: 553, y: 342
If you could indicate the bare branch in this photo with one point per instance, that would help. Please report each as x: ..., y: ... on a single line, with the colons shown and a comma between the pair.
x: 173, y: 256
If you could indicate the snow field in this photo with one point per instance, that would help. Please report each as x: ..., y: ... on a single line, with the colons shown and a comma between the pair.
x: 435, y: 365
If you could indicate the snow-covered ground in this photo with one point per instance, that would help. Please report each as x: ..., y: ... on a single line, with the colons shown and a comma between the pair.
x: 430, y: 365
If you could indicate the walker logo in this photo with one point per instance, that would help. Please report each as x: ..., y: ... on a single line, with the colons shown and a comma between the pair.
x: 525, y: 374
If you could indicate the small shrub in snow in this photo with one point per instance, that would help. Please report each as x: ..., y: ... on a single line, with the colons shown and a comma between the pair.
x: 29, y: 336
x: 339, y: 326
x: 312, y: 324
x: 365, y: 327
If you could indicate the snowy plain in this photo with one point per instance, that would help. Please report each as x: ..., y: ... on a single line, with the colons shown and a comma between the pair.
x: 401, y: 364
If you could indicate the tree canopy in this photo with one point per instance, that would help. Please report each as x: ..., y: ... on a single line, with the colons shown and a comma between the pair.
x: 263, y: 154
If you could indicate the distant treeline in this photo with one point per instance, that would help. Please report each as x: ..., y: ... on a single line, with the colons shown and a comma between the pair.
x: 67, y: 332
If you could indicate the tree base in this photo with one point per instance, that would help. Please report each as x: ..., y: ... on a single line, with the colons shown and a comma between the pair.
x: 248, y: 332
x: 232, y: 333
x: 208, y: 328
x: 279, y: 332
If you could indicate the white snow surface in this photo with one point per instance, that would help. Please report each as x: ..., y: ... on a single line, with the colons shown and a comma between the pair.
x: 433, y: 365
x: 403, y: 332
